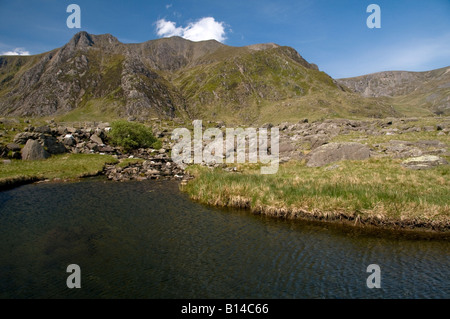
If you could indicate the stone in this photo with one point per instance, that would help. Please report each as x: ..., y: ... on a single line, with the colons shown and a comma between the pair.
x: 92, y: 146
x: 53, y: 146
x: 33, y: 150
x: 317, y: 140
x: 13, y: 147
x: 3, y: 151
x: 424, y: 162
x: 96, y: 139
x: 69, y: 140
x: 105, y: 149
x: 22, y: 138
x: 335, y: 152
x: 286, y: 147
x: 43, y: 130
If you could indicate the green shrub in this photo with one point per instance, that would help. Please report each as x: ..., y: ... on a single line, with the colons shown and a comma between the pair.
x: 132, y: 136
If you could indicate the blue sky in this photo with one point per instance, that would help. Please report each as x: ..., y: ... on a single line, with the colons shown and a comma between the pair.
x: 414, y: 34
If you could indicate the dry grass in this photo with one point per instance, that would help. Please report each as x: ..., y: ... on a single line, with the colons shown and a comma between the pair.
x: 376, y: 191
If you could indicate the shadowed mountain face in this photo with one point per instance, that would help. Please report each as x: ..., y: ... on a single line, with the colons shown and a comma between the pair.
x: 429, y: 90
x: 174, y: 77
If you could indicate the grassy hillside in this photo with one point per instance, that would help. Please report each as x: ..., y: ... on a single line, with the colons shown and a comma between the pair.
x: 95, y: 77
x: 268, y: 86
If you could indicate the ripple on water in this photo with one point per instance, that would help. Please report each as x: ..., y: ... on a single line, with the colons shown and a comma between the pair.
x: 148, y: 240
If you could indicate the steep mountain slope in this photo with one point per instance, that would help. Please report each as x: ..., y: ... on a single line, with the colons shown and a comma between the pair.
x: 97, y: 75
x: 408, y: 91
x: 88, y: 69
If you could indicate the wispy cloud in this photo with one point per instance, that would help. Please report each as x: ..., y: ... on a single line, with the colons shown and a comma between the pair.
x: 419, y: 54
x: 16, y: 51
x: 203, y: 29
x: 168, y: 6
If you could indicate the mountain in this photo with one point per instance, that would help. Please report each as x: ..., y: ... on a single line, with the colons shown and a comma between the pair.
x: 97, y: 76
x: 407, y: 91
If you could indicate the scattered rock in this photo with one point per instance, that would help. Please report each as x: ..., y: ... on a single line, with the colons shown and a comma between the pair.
x: 334, y: 152
x: 53, y: 146
x: 22, y: 138
x: 13, y: 147
x: 286, y: 147
x: 424, y: 162
x: 33, y: 150
x: 96, y: 139
x: 43, y: 130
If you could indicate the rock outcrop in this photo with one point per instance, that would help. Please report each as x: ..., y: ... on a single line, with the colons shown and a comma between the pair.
x: 335, y: 152
x: 424, y: 162
x: 34, y: 151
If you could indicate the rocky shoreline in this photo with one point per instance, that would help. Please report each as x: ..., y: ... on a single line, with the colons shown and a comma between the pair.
x: 37, y: 143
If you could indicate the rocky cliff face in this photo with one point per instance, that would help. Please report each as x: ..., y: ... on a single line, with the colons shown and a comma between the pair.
x: 173, y: 77
x: 431, y: 88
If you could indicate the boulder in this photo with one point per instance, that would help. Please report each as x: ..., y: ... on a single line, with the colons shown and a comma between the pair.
x: 34, y: 151
x: 43, y: 130
x: 53, y: 146
x: 69, y: 140
x: 13, y: 147
x: 286, y: 147
x: 317, y: 140
x: 105, y: 149
x: 22, y: 138
x: 424, y: 162
x: 96, y: 139
x: 3, y: 151
x: 334, y: 152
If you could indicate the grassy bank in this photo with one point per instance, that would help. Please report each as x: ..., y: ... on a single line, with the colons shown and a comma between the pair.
x: 373, y: 192
x: 62, y: 166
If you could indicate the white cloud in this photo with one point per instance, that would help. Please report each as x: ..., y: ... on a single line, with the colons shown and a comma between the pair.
x: 168, y: 6
x: 17, y: 51
x: 204, y: 29
x: 168, y: 29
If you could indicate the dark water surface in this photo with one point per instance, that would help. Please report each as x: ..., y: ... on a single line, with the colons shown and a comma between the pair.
x: 148, y: 240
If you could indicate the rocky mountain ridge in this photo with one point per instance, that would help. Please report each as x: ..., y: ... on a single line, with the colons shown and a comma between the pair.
x: 430, y: 88
x: 98, y: 76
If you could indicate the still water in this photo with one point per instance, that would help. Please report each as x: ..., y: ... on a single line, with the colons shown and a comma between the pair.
x: 148, y: 240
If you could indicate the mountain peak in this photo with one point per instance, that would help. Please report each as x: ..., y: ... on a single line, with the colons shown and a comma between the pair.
x: 81, y: 39
x: 84, y: 39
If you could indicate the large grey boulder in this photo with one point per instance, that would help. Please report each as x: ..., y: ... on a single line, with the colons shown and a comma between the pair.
x: 334, y: 152
x: 424, y: 162
x: 53, y: 146
x: 33, y: 150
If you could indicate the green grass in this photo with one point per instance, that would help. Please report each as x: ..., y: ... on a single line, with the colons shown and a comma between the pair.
x: 376, y: 191
x: 96, y: 109
x: 62, y: 166
x: 372, y: 140
x: 129, y: 161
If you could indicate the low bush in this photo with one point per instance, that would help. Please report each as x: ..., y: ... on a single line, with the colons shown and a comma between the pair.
x: 131, y: 136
